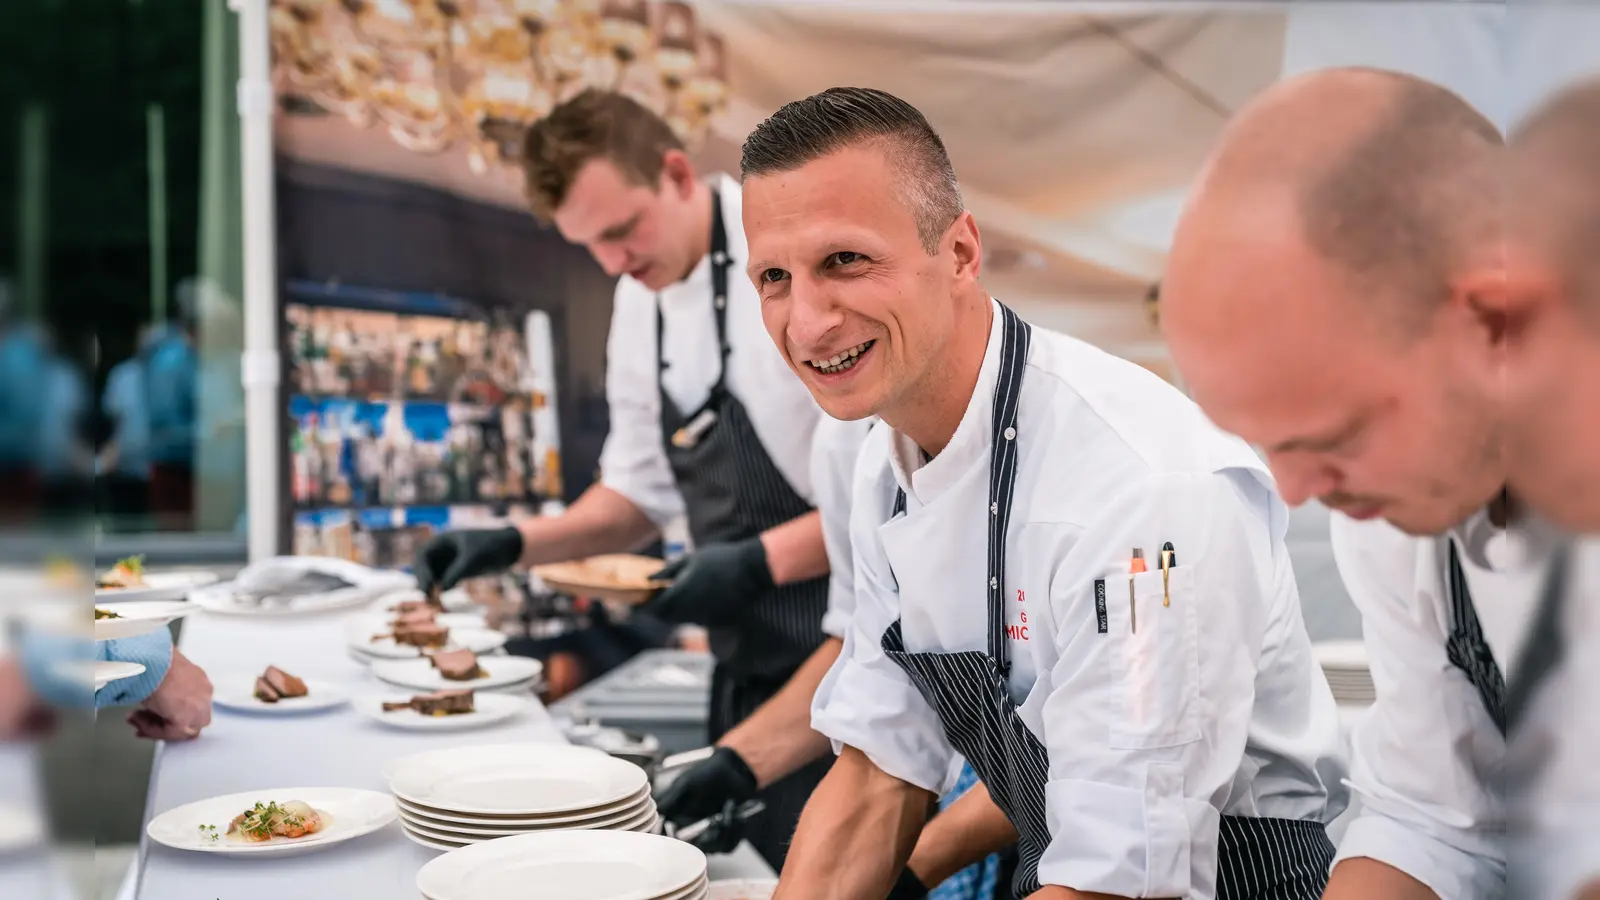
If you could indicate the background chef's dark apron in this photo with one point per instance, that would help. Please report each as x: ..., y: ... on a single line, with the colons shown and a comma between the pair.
x: 1257, y: 859
x: 733, y: 491
x: 1470, y: 652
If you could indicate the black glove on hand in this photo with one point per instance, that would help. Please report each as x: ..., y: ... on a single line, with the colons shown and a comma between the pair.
x: 909, y: 887
x: 456, y: 555
x: 713, y: 586
x: 702, y: 790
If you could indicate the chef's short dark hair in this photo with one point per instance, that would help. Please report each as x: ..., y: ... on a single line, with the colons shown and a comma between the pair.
x: 806, y: 130
x: 594, y: 124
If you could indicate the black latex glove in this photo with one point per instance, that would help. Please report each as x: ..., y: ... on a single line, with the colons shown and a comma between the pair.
x: 706, y: 788
x: 713, y: 586
x: 909, y: 887
x: 449, y: 558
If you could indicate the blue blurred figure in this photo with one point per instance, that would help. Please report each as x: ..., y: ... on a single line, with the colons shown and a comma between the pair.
x: 977, y: 881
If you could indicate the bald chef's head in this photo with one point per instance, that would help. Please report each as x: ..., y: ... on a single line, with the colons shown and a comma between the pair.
x: 1335, y: 290
x: 866, y: 260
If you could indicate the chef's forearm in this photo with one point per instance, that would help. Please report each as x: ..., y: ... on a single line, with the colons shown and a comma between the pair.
x: 1359, y: 878
x: 795, y: 551
x: 601, y: 521
x: 964, y: 833
x: 855, y: 835
x: 1057, y: 892
x: 777, y: 739
x: 1592, y: 892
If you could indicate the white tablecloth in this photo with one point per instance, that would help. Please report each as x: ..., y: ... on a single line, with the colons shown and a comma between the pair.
x: 36, y: 873
x: 336, y: 748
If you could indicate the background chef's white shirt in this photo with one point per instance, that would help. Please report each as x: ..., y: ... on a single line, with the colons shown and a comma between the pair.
x: 1214, y: 706
x: 1427, y: 760
x: 633, y: 461
x: 833, y: 466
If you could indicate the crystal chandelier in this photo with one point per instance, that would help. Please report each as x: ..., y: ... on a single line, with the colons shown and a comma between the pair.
x: 437, y: 73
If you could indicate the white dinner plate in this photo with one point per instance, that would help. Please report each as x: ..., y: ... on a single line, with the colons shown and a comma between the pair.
x: 455, y: 600
x: 572, y: 865
x: 226, y: 599
x: 139, y: 617
x: 488, y: 709
x: 635, y: 819
x: 516, y: 779
x: 237, y: 692
x: 21, y: 828
x: 624, y: 809
x: 501, y: 672
x: 103, y: 672
x: 478, y: 640
x: 350, y: 814
x: 158, y: 586
x: 642, y: 822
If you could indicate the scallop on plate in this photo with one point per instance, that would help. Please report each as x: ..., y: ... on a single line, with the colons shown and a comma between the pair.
x: 273, y: 822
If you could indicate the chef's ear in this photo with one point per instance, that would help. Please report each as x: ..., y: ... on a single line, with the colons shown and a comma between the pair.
x: 967, y: 246
x: 1504, y: 304
x: 678, y: 174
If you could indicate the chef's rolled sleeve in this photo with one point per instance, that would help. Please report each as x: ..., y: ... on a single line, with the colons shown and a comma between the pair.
x: 1146, y: 726
x: 1446, y: 868
x: 633, y: 461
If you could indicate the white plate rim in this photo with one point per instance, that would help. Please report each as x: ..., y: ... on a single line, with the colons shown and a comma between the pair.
x: 134, y: 625
x: 537, y: 755
x: 157, y: 585
x: 323, y: 696
x: 511, y: 706
x: 632, y: 811
x: 319, y: 798
x: 492, y: 641
x: 632, y: 823
x: 436, y: 878
x: 398, y: 672
x: 217, y: 598
x: 107, y: 671
x: 634, y: 800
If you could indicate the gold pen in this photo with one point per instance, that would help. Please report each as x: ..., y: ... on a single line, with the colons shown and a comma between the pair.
x: 1169, y: 558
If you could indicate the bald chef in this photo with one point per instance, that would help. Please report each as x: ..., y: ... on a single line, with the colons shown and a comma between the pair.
x: 1161, y: 733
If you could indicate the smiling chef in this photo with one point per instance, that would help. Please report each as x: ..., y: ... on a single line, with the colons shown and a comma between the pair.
x: 1152, y: 727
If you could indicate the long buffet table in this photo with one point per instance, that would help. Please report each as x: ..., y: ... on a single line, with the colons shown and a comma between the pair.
x: 243, y: 752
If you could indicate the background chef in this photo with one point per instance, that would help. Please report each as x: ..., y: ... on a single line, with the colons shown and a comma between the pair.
x: 706, y: 420
x: 1354, y: 217
x: 1187, y: 747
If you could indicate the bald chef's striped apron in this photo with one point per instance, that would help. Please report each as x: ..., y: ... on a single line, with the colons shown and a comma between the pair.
x: 732, y: 491
x: 1258, y: 858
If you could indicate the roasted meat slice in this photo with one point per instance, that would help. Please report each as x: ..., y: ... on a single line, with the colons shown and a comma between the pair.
x: 457, y: 665
x: 426, y: 634
x: 425, y: 615
x: 439, y: 703
x: 285, y: 684
x: 265, y: 691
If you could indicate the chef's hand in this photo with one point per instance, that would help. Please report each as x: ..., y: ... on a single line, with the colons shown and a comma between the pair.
x: 180, y: 706
x: 713, y: 586
x: 706, y: 789
x: 449, y: 558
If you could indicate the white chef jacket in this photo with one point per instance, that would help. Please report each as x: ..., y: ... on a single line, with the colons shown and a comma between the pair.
x: 1427, y: 760
x: 1555, y: 806
x: 833, y: 466
x: 633, y: 461
x: 1215, y: 706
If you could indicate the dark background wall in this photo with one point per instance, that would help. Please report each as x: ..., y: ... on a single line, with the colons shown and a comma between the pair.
x: 339, y: 225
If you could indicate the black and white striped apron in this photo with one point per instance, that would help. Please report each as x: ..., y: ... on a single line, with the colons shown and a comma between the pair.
x: 1469, y: 651
x: 733, y: 491
x: 1258, y: 859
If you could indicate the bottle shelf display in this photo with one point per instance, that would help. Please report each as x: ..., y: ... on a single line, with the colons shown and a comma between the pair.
x: 408, y: 414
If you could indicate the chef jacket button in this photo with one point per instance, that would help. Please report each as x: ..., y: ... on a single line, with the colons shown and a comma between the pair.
x: 719, y: 257
x: 993, y: 581
x: 1011, y: 433
x: 721, y: 301
x: 994, y: 509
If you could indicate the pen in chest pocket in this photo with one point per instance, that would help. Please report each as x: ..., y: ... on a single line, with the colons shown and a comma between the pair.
x: 1135, y: 566
x: 1169, y: 558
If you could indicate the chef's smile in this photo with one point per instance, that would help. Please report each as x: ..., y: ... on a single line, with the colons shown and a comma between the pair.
x: 842, y: 361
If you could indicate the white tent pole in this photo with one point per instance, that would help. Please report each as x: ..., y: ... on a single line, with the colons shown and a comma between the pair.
x: 259, y: 364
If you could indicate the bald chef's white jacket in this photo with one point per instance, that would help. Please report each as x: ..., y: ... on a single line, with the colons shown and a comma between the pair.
x: 633, y: 461
x: 1214, y: 706
x: 1427, y: 761
x: 833, y: 468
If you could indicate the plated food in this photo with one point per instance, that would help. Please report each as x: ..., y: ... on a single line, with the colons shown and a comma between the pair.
x: 459, y: 668
x: 290, y: 820
x: 457, y: 665
x: 439, y: 703
x: 127, y: 573
x: 100, y: 614
x: 275, y: 684
x: 137, y: 617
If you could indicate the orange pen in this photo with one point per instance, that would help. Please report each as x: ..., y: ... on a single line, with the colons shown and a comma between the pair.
x: 1135, y: 566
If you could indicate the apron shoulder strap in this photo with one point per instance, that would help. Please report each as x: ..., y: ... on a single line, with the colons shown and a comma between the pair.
x: 1015, y: 337
x: 1467, y: 648
x: 720, y: 263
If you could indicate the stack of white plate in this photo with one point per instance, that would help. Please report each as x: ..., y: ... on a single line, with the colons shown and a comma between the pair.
x: 456, y: 798
x: 1345, y: 665
x: 572, y: 865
